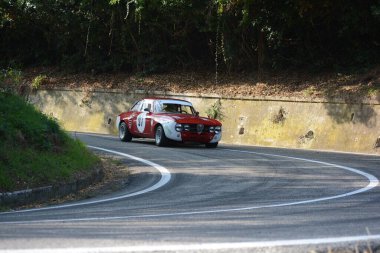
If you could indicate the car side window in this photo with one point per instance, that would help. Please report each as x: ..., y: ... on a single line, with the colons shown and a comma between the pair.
x: 157, y: 106
x: 172, y: 108
x: 147, y: 105
x: 136, y: 106
x: 186, y: 109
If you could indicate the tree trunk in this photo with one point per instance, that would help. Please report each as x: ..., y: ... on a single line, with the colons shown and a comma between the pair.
x: 260, y: 54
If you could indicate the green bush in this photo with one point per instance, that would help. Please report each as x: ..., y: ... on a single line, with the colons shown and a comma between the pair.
x: 38, y: 81
x: 215, y: 111
x: 10, y: 79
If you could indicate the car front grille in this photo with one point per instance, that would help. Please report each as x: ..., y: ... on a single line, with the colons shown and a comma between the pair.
x: 193, y: 128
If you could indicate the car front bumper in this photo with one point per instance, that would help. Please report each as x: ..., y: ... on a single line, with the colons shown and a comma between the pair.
x: 201, y: 138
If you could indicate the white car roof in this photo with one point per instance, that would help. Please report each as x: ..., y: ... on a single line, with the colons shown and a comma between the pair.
x: 173, y: 101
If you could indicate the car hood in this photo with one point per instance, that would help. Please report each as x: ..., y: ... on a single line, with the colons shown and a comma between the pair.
x: 190, y: 119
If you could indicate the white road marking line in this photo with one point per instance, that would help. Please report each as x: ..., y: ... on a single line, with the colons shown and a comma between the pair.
x: 373, y: 182
x: 306, y: 167
x: 201, y: 246
x: 165, y: 178
x: 304, y: 149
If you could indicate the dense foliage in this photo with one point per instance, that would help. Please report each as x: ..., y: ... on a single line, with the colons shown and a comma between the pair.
x: 156, y: 35
x: 34, y: 151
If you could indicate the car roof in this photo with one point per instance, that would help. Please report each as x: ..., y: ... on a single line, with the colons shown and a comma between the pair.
x: 170, y: 100
x: 163, y: 98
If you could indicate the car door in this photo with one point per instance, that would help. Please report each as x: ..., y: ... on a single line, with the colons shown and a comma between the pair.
x: 144, y: 119
x: 133, y: 120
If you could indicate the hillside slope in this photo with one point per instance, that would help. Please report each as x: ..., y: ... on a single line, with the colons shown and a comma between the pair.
x: 34, y: 150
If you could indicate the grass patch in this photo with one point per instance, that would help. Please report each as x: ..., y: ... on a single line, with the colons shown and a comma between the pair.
x: 34, y: 150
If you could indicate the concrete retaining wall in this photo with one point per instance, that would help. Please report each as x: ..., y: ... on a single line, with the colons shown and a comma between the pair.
x: 294, y: 123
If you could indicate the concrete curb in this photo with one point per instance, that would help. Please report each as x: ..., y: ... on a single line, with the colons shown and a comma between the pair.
x: 29, y: 196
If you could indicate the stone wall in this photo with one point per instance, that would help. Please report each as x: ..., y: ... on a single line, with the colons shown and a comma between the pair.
x: 281, y: 122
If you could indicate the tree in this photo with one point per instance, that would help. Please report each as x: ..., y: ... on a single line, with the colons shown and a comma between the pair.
x: 152, y: 36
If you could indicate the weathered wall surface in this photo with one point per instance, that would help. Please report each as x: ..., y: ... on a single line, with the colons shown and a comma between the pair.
x: 329, y: 125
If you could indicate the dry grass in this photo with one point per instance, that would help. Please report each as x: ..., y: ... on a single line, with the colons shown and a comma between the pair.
x: 283, y: 84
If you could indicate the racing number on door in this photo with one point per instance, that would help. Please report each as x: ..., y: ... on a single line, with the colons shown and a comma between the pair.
x: 141, y: 122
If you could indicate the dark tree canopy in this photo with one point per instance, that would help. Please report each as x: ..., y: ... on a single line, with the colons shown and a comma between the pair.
x: 159, y: 35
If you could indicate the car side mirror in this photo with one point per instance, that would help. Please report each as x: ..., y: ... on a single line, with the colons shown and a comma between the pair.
x: 197, y: 114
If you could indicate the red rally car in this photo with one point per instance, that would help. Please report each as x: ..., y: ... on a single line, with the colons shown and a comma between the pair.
x: 166, y: 119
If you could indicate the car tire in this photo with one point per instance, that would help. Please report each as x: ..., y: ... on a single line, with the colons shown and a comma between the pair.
x: 124, y: 133
x: 211, y: 145
x: 160, y: 137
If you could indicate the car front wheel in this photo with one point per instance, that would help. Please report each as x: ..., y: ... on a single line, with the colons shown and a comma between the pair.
x: 160, y: 137
x: 124, y: 133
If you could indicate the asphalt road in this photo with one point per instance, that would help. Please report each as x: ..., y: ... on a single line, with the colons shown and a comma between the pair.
x: 229, y: 199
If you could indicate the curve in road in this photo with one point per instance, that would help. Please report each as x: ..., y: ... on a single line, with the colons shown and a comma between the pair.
x: 166, y: 176
x: 178, y: 186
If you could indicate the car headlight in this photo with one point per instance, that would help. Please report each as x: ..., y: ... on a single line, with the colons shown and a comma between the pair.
x: 218, y: 129
x: 211, y: 129
x: 186, y: 127
x: 178, y: 127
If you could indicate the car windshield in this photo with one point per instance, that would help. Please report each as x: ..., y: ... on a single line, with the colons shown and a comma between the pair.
x: 177, y: 108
